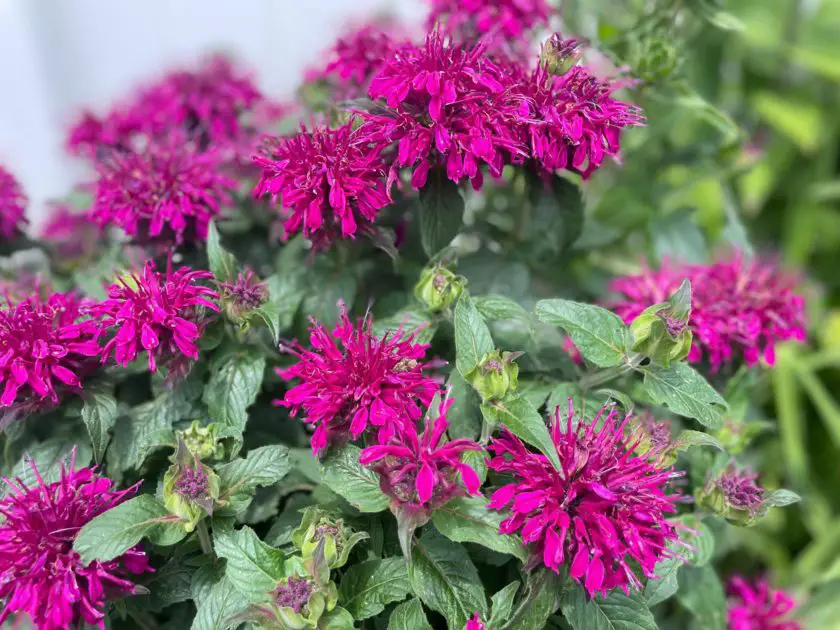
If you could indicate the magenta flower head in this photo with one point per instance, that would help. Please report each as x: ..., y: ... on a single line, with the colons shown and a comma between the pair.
x: 40, y: 574
x: 451, y: 110
x: 159, y: 313
x: 572, y: 120
x: 475, y: 623
x: 71, y: 233
x: 332, y: 180
x: 165, y: 191
x: 46, y: 346
x: 604, y: 513
x: 422, y: 472
x: 352, y: 380
x: 740, y: 308
x: 12, y: 205
x: 756, y: 606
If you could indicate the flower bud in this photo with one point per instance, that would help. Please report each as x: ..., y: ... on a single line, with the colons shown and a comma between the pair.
x: 734, y: 495
x: 190, y: 489
x: 202, y: 442
x: 661, y: 331
x: 653, y: 439
x: 559, y: 55
x: 316, y: 527
x: 241, y: 297
x: 496, y: 376
x: 655, y: 58
x: 439, y: 288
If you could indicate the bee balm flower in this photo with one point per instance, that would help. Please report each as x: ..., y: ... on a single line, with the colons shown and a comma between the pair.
x: 756, y: 606
x: 12, y: 205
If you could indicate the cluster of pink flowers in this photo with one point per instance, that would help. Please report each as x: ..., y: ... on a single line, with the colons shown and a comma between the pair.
x: 12, y: 205
x: 352, y: 380
x: 422, y: 472
x: 45, y: 346
x: 70, y: 232
x: 740, y: 308
x: 40, y: 573
x: 604, y: 512
x: 159, y: 313
x: 757, y: 606
x: 332, y: 180
x: 167, y: 191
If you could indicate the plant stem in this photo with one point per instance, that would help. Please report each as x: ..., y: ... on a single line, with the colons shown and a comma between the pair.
x: 204, y: 538
x: 599, y: 378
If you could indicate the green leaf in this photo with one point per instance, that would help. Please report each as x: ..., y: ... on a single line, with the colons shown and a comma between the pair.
x: 688, y: 438
x: 467, y: 519
x: 472, y: 337
x: 48, y: 457
x: 617, y: 612
x: 441, y: 212
x: 269, y: 313
x: 285, y: 293
x: 586, y: 404
x: 501, y: 607
x: 684, y: 392
x: 222, y: 262
x: 336, y: 619
x: 782, y: 498
x: 410, y: 320
x: 99, y: 413
x: 599, y: 334
x: 325, y: 288
x: 677, y: 237
x: 409, y: 616
x: 498, y: 307
x: 368, y: 587
x: 114, y: 532
x: 557, y: 213
x: 169, y: 584
x: 253, y: 567
x: 665, y: 585
x: 344, y: 475
x: 539, y: 599
x: 263, y: 466
x: 235, y: 381
x: 701, y: 593
x: 221, y: 603
x: 445, y: 579
x: 801, y: 121
x: 525, y: 422
x: 465, y: 413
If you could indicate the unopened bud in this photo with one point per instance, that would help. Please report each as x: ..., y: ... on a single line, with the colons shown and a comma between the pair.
x: 734, y: 495
x: 559, y: 55
x: 241, y: 297
x: 316, y: 528
x: 496, y: 375
x: 190, y: 489
x: 661, y: 331
x: 439, y: 288
x: 202, y: 442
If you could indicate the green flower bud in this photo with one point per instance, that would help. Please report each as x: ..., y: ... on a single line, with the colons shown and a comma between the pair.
x: 439, y: 288
x: 559, y: 55
x: 655, y: 58
x: 318, y: 526
x: 496, y: 376
x: 661, y: 331
x: 653, y: 439
x: 240, y: 298
x: 734, y: 495
x: 202, y: 442
x: 190, y: 489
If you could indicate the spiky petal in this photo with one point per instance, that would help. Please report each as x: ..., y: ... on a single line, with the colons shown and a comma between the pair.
x: 756, y: 606
x: 475, y: 623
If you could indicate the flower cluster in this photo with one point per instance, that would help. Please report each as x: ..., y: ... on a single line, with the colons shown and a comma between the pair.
x: 243, y: 295
x: 740, y: 308
x: 40, y: 573
x: 422, y: 472
x: 71, y: 233
x: 158, y: 313
x: 332, y: 180
x: 352, y: 380
x: 604, y: 512
x: 756, y: 606
x: 12, y: 205
x: 45, y: 345
x: 165, y: 191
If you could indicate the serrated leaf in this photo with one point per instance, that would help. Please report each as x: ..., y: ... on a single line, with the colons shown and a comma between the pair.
x: 539, y: 599
x: 501, y: 606
x: 599, y: 334
x: 464, y: 415
x: 467, y: 519
x: 344, y: 475
x: 222, y: 262
x: 525, y: 422
x: 445, y: 579
x: 262, y: 467
x: 169, y: 584
x: 270, y: 316
x: 499, y: 307
x: 410, y: 320
x: 617, y: 612
x: 99, y: 413
x: 253, y: 567
x: 48, y: 457
x: 688, y: 438
x: 409, y: 616
x: 325, y: 287
x: 684, y: 392
x: 235, y: 381
x: 586, y: 405
x: 216, y: 609
x: 557, y: 213
x: 114, y: 532
x: 472, y: 337
x: 665, y: 585
x: 781, y: 498
x: 441, y: 212
x: 368, y: 587
x: 285, y: 293
x: 701, y: 593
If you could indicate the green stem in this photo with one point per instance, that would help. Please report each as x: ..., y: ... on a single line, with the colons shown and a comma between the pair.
x: 591, y: 381
x: 204, y: 538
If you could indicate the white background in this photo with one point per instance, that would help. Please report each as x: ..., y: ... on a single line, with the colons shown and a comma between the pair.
x: 57, y: 56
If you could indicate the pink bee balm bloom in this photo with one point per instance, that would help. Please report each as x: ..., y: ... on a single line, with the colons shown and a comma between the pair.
x: 45, y: 346
x: 452, y: 111
x: 603, y: 513
x: 40, y: 574
x: 331, y: 180
x: 756, y: 606
x: 12, y: 205
x: 165, y: 191
x: 739, y: 307
x: 475, y: 623
x: 73, y: 235
x: 158, y: 313
x: 352, y: 380
x: 422, y: 472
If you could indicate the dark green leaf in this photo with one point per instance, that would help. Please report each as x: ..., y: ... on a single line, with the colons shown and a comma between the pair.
x: 445, y: 579
x: 99, y: 413
x: 114, y: 532
x: 441, y: 212
x: 409, y: 616
x: 538, y: 600
x: 496, y: 307
x: 410, y: 320
x: 168, y: 585
x: 467, y: 519
x: 368, y: 587
x: 525, y: 422
x: 325, y: 288
x: 701, y: 592
x: 235, y: 381
x: 599, y: 334
x: 464, y: 415
x: 557, y: 213
x: 472, y: 337
x: 285, y: 293
x: 684, y: 392
x: 220, y: 605
x: 48, y: 457
x: 501, y: 606
x: 222, y: 262
x: 665, y: 585
x: 617, y: 612
x: 262, y: 467
x: 253, y: 567
x: 344, y: 475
